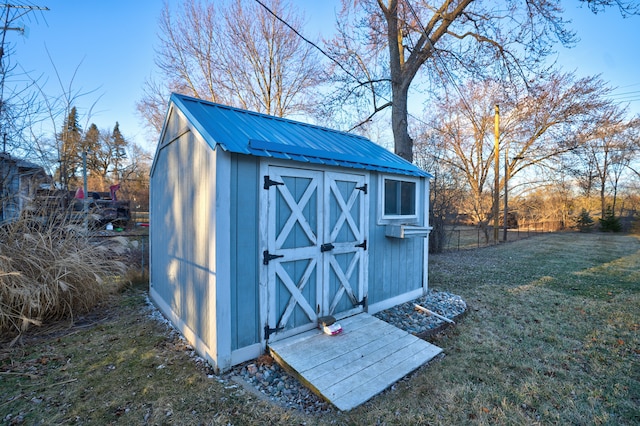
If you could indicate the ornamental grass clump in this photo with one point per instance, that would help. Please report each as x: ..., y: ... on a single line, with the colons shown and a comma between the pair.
x: 51, y: 271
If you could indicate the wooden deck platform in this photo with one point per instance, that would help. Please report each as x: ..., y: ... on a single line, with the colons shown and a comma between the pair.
x: 350, y: 368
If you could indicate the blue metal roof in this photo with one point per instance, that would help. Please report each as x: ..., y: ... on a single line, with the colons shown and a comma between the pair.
x: 251, y: 133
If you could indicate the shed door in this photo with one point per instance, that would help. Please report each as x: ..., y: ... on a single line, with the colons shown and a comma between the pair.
x: 316, y: 255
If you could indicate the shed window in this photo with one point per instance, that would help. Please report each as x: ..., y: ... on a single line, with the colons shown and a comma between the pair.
x: 399, y: 198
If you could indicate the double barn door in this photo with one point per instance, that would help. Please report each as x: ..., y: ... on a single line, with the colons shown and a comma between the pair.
x: 316, y: 256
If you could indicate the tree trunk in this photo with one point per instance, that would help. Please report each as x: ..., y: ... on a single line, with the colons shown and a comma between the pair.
x: 602, y: 202
x: 399, y: 112
x: 400, y: 80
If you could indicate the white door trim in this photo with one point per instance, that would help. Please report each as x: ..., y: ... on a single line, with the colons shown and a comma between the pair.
x: 323, y: 186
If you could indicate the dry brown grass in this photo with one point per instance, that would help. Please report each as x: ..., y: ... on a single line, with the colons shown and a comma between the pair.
x: 550, y: 337
x: 52, y: 271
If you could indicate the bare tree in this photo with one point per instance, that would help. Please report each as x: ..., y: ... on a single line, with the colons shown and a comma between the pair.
x: 550, y: 117
x: 18, y: 101
x: 445, y: 37
x: 447, y: 188
x: 234, y: 52
x: 608, y: 153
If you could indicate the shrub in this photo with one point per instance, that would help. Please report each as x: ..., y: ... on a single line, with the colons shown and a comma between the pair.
x: 584, y: 222
x: 610, y: 223
x: 51, y: 271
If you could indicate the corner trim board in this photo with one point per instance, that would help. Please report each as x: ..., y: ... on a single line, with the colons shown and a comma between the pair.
x: 201, y: 348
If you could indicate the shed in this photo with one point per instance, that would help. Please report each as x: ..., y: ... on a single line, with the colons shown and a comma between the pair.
x: 261, y: 225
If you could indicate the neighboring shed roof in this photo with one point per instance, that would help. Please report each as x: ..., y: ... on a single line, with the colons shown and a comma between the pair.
x: 251, y: 133
x: 26, y: 167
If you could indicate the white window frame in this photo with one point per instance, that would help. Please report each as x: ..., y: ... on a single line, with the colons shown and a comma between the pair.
x: 383, y: 218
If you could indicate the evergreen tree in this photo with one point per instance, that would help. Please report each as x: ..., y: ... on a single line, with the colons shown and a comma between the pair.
x: 69, y: 142
x: 610, y: 223
x: 91, y: 145
x: 98, y: 156
x: 584, y: 222
x: 119, y: 153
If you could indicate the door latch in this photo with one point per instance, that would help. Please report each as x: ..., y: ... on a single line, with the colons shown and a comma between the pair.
x: 326, y: 247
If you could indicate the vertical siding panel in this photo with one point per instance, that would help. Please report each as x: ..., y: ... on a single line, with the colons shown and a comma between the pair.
x: 245, y: 253
x: 181, y: 199
x: 194, y: 205
x: 395, y: 265
x: 233, y: 249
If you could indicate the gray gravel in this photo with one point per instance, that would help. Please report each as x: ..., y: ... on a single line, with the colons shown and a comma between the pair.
x: 268, y: 380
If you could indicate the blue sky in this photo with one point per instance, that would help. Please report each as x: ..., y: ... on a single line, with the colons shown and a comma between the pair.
x: 109, y: 45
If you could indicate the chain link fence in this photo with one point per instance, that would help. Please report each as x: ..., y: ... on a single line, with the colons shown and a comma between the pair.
x: 469, y: 237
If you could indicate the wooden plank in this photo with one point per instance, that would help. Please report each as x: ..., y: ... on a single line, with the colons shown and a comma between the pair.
x: 349, y: 356
x: 379, y: 382
x: 310, y: 352
x: 400, y: 360
x: 366, y: 351
x: 353, y: 366
x: 351, y: 325
x: 349, y: 369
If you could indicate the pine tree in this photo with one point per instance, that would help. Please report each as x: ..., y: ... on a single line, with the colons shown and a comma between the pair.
x: 98, y: 157
x: 610, y: 223
x: 584, y: 222
x: 119, y: 152
x: 69, y: 142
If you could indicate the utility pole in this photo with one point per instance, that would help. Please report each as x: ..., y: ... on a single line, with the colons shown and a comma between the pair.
x: 506, y: 182
x: 496, y: 184
x: 85, y: 199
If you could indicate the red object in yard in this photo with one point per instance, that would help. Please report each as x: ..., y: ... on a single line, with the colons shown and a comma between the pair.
x: 79, y: 194
x: 113, y: 189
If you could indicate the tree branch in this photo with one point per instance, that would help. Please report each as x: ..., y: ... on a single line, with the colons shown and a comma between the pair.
x: 366, y: 120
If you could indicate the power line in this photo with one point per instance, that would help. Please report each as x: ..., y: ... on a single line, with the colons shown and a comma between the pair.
x: 436, y: 54
x: 308, y: 41
x: 349, y: 73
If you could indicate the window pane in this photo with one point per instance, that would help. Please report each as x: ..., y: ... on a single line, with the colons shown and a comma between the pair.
x: 408, y: 199
x: 391, y: 200
x: 399, y: 198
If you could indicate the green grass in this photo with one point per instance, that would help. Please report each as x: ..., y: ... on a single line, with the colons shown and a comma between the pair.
x: 552, y: 333
x: 551, y: 337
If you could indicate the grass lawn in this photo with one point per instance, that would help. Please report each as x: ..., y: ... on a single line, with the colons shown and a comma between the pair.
x: 551, y: 337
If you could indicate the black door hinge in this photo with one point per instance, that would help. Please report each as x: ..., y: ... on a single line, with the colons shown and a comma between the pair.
x: 362, y: 188
x: 363, y: 302
x: 326, y: 247
x: 269, y: 331
x: 269, y: 183
x: 266, y: 257
x: 362, y: 244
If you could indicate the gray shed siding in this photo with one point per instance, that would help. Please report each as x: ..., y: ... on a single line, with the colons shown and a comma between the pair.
x: 395, y: 266
x: 182, y: 186
x: 245, y: 298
